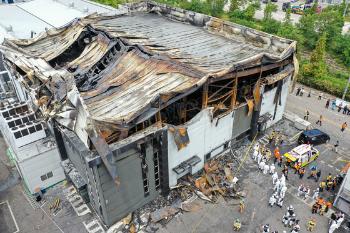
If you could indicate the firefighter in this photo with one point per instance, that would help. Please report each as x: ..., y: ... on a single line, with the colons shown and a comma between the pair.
x: 277, y: 154
x: 237, y: 225
x: 301, y: 172
x: 311, y: 224
x: 241, y: 206
x: 329, y: 177
x: 323, y: 209
x: 343, y: 126
x: 322, y: 185
x: 329, y: 185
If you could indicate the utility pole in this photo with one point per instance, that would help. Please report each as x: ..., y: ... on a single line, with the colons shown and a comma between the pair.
x: 346, y: 88
x: 346, y: 8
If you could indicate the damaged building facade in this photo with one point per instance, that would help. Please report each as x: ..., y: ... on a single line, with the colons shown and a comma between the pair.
x: 139, y: 99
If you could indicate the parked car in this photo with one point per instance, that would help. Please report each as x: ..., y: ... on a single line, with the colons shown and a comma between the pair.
x: 313, y: 137
x: 274, y: 0
x: 285, y: 6
x: 303, y: 154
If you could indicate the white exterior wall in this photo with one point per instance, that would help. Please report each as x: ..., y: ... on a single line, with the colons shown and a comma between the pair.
x: 34, y: 167
x: 267, y: 105
x: 204, y: 137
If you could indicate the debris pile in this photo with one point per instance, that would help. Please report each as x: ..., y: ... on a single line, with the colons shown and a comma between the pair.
x: 217, y: 179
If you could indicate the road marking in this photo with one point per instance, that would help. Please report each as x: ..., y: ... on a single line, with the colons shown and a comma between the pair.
x: 339, y: 158
x: 13, y: 217
x: 322, y: 161
x: 329, y: 165
x: 253, y: 215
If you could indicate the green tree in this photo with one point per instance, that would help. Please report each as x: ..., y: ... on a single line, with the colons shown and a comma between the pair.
x: 317, y: 66
x: 217, y: 7
x: 288, y: 30
x: 269, y: 9
x: 235, y: 4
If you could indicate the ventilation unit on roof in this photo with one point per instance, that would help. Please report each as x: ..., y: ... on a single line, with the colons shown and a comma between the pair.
x: 15, y: 109
x: 20, y: 119
x: 28, y: 133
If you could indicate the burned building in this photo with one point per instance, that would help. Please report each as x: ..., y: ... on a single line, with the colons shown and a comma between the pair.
x: 137, y: 100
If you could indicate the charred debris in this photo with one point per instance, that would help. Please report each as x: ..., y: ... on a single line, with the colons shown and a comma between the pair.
x: 160, y: 89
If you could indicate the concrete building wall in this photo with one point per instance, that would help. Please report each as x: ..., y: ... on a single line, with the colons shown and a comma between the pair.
x: 206, y: 135
x: 32, y: 169
x: 130, y: 194
x: 268, y: 105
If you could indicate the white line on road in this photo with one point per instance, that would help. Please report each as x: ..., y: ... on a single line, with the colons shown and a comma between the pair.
x: 13, y: 217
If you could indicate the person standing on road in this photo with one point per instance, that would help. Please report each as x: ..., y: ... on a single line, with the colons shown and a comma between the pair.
x: 327, y: 103
x: 320, y: 96
x: 298, y: 91
x: 343, y: 126
x: 277, y: 154
x: 301, y: 173
x: 320, y: 121
x: 322, y: 185
x: 318, y: 175
x: 306, y: 116
x: 336, y: 146
x: 345, y: 109
x: 334, y: 104
x: 285, y: 171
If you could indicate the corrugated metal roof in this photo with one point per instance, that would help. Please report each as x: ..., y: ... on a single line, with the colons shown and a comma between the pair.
x: 132, y: 83
x: 176, y: 50
x: 188, y: 43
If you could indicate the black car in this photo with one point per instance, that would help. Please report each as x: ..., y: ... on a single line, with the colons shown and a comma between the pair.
x: 285, y: 6
x: 313, y: 137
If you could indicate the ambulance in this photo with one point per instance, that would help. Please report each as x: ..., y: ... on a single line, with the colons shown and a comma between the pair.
x: 304, y: 154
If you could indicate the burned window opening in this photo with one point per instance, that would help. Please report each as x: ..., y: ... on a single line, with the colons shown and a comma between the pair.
x: 183, y: 110
x: 219, y: 96
x: 74, y: 50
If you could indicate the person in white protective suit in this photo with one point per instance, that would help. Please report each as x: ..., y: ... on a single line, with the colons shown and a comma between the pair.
x: 300, y: 190
x: 283, y: 183
x: 266, y: 169
x: 340, y: 220
x: 259, y: 157
x: 274, y: 178
x: 277, y: 186
x: 280, y: 201
x: 316, y: 194
x: 333, y: 227
x: 296, y: 227
x: 283, y: 191
x: 272, y: 168
x: 255, y: 155
x: 283, y: 178
x: 261, y: 165
x: 272, y: 200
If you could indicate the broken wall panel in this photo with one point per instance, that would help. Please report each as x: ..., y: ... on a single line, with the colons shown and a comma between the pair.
x: 269, y: 106
x: 206, y: 136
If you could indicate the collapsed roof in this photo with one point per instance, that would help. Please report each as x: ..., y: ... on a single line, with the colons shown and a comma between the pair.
x: 114, y: 71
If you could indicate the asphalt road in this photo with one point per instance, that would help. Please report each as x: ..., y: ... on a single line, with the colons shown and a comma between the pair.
x: 332, y: 119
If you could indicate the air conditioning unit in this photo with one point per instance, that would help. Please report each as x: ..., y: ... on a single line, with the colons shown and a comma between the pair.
x: 13, y: 109
x: 28, y: 133
x: 20, y: 119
